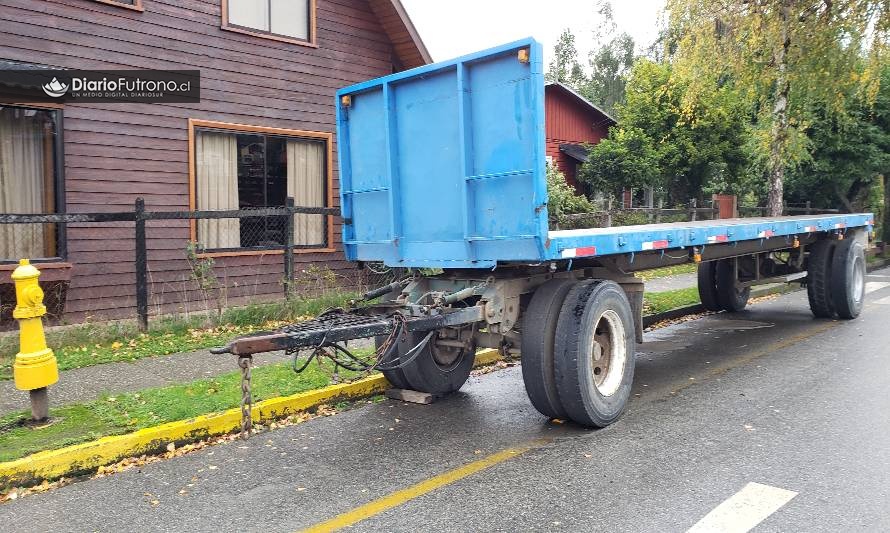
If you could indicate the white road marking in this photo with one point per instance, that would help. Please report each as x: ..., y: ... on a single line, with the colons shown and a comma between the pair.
x: 744, y: 509
x: 873, y: 286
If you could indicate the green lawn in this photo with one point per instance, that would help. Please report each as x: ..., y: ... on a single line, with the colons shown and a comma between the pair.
x: 659, y: 302
x: 123, y: 413
x: 92, y: 344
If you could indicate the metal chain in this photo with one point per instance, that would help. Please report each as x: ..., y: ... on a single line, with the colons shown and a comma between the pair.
x: 246, y: 399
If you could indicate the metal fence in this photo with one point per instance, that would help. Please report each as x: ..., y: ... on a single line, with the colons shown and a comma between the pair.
x: 259, y: 229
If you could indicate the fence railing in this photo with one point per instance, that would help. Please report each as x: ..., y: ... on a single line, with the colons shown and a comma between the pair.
x: 634, y: 215
x: 140, y: 216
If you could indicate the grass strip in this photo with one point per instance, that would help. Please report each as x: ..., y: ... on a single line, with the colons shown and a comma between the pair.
x: 659, y: 302
x: 123, y: 413
x: 665, y: 272
x: 93, y: 344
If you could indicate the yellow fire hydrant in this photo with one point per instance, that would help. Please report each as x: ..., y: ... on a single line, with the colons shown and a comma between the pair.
x: 35, y: 366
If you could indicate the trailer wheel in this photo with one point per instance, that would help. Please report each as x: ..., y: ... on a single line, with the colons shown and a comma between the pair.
x: 436, y: 369
x: 730, y: 297
x: 595, y: 353
x: 819, y: 277
x: 707, y: 285
x: 538, y: 335
x: 395, y: 376
x: 848, y: 278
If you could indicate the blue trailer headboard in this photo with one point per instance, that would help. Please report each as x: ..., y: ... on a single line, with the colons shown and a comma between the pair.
x: 444, y: 165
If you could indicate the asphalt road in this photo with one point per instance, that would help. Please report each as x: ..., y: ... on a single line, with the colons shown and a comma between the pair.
x: 769, y: 396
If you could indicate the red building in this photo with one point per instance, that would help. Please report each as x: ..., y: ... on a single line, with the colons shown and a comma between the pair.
x: 572, y: 122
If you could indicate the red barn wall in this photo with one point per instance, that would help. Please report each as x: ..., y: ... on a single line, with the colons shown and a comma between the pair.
x: 569, y: 121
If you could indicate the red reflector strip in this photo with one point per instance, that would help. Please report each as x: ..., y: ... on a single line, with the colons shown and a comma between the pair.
x: 810, y: 229
x: 584, y: 251
x: 718, y: 238
x: 765, y: 234
x: 655, y: 245
x: 840, y: 225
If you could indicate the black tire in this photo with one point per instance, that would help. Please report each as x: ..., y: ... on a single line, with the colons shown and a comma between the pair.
x: 819, y: 277
x: 395, y: 376
x: 729, y: 297
x: 538, y: 335
x: 848, y: 278
x: 435, y: 370
x: 592, y: 396
x: 707, y: 285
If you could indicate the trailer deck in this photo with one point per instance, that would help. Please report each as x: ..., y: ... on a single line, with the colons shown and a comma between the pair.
x: 590, y: 242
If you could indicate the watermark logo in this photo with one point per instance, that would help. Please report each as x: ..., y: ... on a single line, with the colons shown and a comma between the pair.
x: 144, y: 86
x: 55, y: 88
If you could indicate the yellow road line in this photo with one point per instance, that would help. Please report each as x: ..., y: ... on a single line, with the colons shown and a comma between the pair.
x: 405, y: 495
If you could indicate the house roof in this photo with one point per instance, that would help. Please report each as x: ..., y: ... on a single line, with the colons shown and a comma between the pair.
x: 571, y: 92
x: 407, y: 45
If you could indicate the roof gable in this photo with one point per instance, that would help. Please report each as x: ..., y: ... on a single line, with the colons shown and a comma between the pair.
x: 406, y: 42
x: 566, y: 90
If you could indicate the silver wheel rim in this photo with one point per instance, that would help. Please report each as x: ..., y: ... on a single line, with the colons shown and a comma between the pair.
x: 608, y: 353
x: 858, y: 281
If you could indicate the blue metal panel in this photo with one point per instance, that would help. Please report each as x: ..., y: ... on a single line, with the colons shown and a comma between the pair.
x: 443, y: 165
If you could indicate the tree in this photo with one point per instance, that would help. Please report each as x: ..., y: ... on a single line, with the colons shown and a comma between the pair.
x: 790, y: 56
x: 564, y: 67
x: 660, y: 143
x: 610, y: 62
x: 603, y: 79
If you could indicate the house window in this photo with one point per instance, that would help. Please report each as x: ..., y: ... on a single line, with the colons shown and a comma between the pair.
x: 129, y: 4
x: 291, y: 20
x: 259, y: 167
x: 30, y: 180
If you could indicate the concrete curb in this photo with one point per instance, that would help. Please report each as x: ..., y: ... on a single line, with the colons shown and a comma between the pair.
x: 88, y: 456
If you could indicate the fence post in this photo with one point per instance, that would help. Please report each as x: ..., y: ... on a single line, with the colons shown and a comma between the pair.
x: 289, y: 249
x: 693, y: 211
x: 808, y: 207
x: 141, y: 267
x: 658, y: 213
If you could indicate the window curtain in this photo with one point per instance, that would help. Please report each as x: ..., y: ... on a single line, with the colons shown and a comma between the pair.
x: 249, y: 13
x: 217, y: 183
x: 21, y: 182
x: 306, y: 184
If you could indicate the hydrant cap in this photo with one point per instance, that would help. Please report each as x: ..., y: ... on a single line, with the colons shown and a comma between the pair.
x: 25, y: 270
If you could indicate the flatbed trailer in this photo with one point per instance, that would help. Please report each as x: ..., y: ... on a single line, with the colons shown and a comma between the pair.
x: 442, y: 169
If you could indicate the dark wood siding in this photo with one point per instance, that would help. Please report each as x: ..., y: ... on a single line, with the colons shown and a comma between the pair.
x: 115, y: 153
x: 569, y: 121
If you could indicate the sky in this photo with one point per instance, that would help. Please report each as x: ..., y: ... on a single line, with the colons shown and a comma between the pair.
x: 456, y: 27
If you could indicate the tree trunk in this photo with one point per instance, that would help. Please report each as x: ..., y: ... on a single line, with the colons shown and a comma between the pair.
x: 779, y: 130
